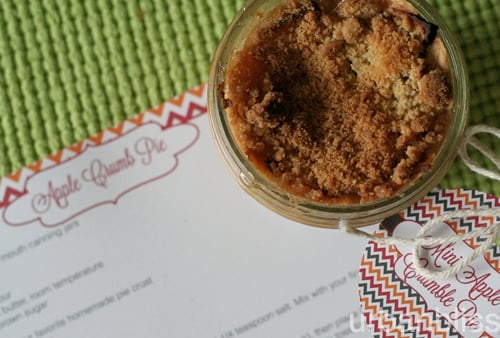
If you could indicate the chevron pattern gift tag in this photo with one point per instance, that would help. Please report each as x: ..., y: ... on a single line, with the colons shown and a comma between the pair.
x: 398, y: 302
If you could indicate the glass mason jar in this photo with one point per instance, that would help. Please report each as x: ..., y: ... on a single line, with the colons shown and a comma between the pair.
x: 309, y: 212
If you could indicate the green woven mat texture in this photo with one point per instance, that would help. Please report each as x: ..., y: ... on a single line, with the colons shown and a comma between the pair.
x: 71, y: 68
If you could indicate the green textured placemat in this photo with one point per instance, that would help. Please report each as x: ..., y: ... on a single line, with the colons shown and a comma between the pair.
x: 70, y: 68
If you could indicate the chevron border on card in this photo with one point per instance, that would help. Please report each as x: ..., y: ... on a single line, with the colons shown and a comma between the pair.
x: 438, y: 202
x: 474, y: 199
x: 379, y: 294
x: 386, y: 311
x: 193, y: 110
x: 386, y: 300
x: 382, y: 255
x: 389, y: 290
x: 178, y: 110
x: 423, y: 211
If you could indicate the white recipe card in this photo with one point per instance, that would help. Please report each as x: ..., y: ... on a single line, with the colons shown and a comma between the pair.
x: 140, y: 231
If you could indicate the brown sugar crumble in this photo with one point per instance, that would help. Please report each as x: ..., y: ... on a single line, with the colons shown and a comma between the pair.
x: 340, y: 102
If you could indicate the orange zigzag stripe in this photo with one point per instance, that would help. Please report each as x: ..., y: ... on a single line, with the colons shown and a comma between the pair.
x: 97, y: 139
x: 454, y: 225
x: 57, y: 157
x: 158, y: 110
x: 36, y: 167
x: 379, y: 233
x: 468, y: 201
x: 435, y: 326
x: 137, y: 120
x: 198, y: 91
x: 389, y: 327
x: 16, y: 176
x: 77, y: 147
x: 368, y: 306
x: 178, y: 100
x: 494, y: 262
x: 394, y: 251
x: 118, y: 129
x: 432, y: 207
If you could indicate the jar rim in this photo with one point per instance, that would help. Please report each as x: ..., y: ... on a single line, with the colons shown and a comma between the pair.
x: 297, y: 208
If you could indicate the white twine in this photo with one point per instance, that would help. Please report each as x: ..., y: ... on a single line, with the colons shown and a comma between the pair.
x: 422, y: 239
x: 482, y: 148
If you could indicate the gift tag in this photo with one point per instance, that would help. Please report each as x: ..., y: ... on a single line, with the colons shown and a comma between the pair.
x: 396, y: 301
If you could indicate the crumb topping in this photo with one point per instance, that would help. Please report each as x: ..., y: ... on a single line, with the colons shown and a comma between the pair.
x: 340, y: 101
